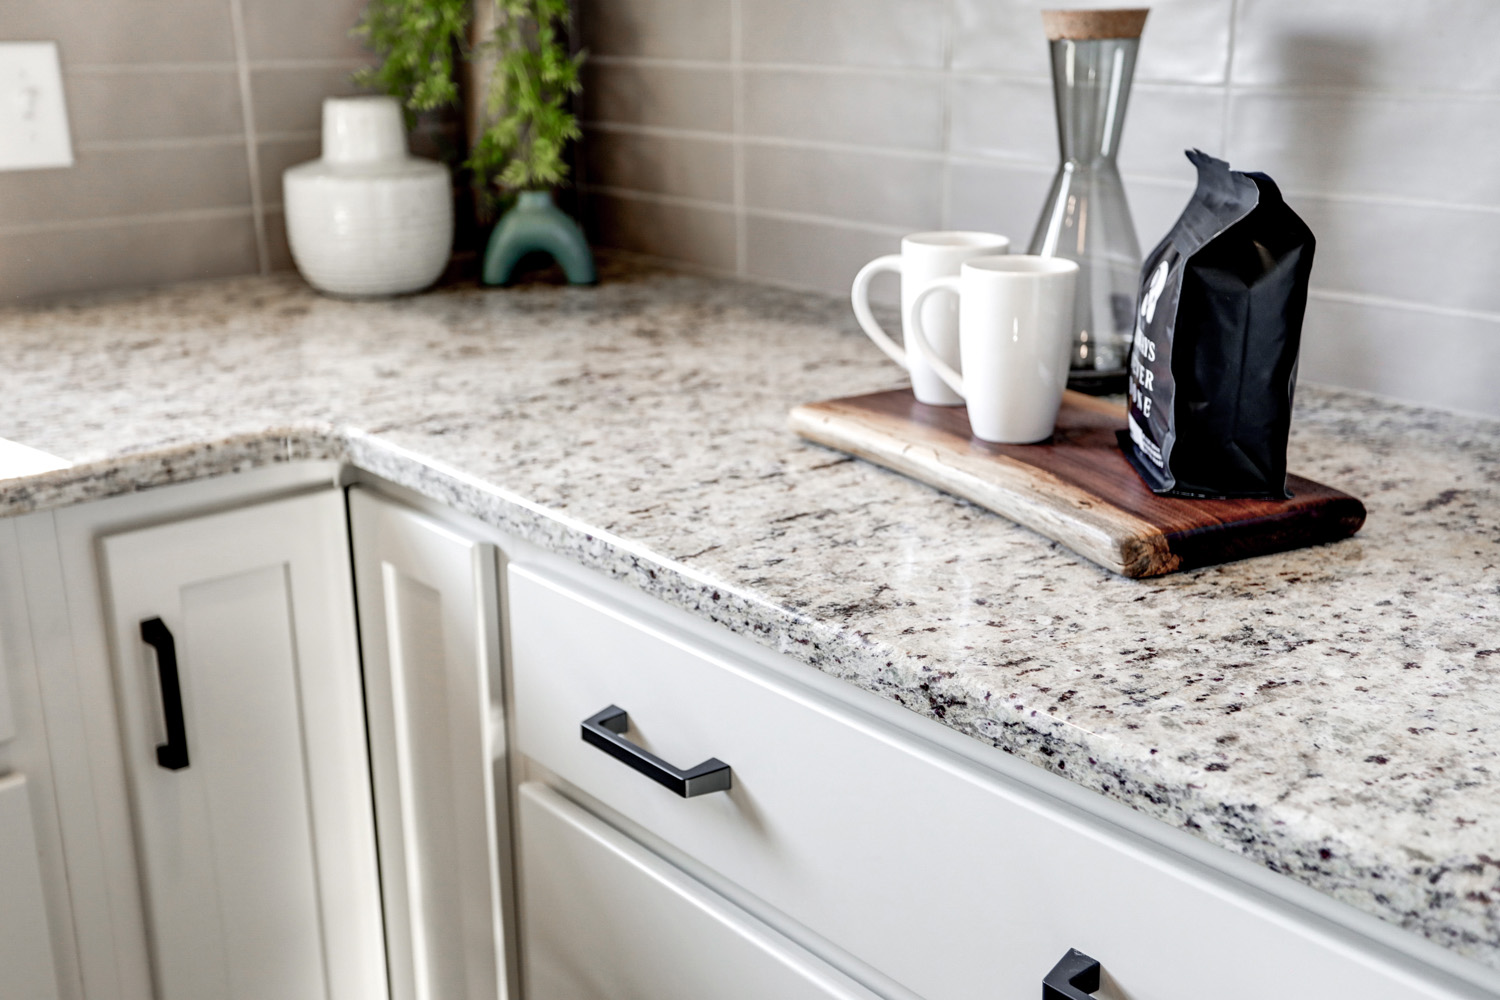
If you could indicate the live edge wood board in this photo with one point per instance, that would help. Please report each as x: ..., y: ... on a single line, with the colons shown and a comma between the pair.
x: 1076, y: 488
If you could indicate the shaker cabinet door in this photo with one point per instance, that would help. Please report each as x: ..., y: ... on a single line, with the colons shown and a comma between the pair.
x: 429, y: 625
x: 606, y: 919
x: 237, y: 671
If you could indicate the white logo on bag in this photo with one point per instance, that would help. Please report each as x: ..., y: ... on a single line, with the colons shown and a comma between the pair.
x: 1153, y: 291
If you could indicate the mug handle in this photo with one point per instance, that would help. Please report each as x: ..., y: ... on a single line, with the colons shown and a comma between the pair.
x: 918, y: 338
x: 860, y: 296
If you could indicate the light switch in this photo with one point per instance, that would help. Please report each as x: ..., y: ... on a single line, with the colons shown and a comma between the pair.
x: 33, y: 117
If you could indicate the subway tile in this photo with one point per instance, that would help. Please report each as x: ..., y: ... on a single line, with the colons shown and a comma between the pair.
x: 1162, y: 122
x: 149, y: 252
x: 1422, y: 357
x: 1424, y: 254
x: 1155, y: 206
x: 1010, y: 119
x: 278, y: 250
x: 861, y: 187
x: 275, y: 155
x: 1185, y: 41
x: 114, y: 182
x: 1015, y: 120
x: 290, y: 99
x: 876, y: 33
x: 685, y: 167
x: 170, y: 104
x: 111, y: 32
x: 997, y: 198
x: 1393, y: 44
x: 866, y: 109
x: 665, y: 96
x: 1412, y: 146
x: 693, y: 235
x: 661, y: 29
x: 821, y: 256
x: 296, y: 29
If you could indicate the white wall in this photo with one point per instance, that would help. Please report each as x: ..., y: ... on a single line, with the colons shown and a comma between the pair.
x: 791, y: 140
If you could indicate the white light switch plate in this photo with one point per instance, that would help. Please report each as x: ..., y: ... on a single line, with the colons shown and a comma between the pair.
x: 33, y: 117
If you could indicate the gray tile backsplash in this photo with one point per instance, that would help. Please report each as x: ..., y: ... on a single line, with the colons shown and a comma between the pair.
x: 1186, y: 41
x: 657, y: 29
x: 880, y: 189
x: 906, y: 34
x: 133, y: 105
x: 167, y: 146
x: 859, y: 107
x: 693, y: 98
x: 850, y: 121
x: 790, y: 140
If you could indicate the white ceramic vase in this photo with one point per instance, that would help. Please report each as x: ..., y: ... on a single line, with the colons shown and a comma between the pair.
x: 368, y: 218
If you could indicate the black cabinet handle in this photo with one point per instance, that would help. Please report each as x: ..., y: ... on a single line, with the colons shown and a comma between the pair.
x: 1076, y: 977
x: 605, y: 731
x: 173, y: 754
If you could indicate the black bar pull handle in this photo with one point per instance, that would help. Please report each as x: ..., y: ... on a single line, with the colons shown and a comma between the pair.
x: 173, y: 754
x: 1076, y: 977
x: 606, y: 731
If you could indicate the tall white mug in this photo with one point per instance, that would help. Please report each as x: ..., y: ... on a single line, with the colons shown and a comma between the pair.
x: 1015, y: 327
x: 924, y: 256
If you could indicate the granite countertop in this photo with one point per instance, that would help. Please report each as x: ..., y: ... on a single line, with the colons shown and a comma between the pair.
x: 1331, y: 713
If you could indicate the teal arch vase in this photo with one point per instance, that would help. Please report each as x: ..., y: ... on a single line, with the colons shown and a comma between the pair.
x: 534, y: 224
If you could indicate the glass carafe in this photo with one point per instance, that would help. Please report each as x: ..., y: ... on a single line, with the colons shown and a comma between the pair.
x: 1086, y: 217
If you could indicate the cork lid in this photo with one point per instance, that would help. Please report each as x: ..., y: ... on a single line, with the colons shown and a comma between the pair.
x: 1085, y: 25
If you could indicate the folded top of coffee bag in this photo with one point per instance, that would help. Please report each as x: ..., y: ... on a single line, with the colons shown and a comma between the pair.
x: 1218, y: 326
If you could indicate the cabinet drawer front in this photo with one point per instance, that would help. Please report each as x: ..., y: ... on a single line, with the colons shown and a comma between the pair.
x: 955, y: 883
x: 605, y: 919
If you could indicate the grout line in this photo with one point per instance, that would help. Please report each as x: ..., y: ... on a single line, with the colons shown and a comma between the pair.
x: 945, y: 175
x: 1225, y: 107
x: 188, y: 142
x: 629, y: 194
x: 1010, y: 163
x: 115, y: 221
x: 127, y: 69
x: 1381, y: 302
x: 343, y: 63
x: 737, y: 92
x: 1000, y: 76
x: 660, y: 198
x: 301, y: 135
x: 252, y: 152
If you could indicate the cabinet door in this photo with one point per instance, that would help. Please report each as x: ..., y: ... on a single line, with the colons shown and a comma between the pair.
x: 26, y: 968
x: 605, y: 919
x: 256, y: 842
x: 429, y: 629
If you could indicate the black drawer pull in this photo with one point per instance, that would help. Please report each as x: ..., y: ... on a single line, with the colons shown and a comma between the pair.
x: 606, y: 731
x: 173, y: 754
x: 1076, y: 977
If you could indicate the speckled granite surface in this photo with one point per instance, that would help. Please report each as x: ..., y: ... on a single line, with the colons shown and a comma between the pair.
x: 1332, y: 713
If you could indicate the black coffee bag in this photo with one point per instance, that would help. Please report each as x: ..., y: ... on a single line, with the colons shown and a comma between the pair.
x: 1218, y: 326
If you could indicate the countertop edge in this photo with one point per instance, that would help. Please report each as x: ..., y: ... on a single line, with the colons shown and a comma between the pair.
x: 1387, y: 887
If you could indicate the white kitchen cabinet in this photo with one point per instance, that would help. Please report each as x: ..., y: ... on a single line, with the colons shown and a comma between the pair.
x: 608, y: 920
x: 951, y: 881
x: 249, y: 792
x: 27, y: 969
x: 429, y: 623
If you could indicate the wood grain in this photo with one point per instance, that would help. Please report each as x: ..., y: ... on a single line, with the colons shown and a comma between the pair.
x: 1076, y: 488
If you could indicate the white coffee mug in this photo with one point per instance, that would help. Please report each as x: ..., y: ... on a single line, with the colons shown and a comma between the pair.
x: 1015, y: 327
x: 924, y: 256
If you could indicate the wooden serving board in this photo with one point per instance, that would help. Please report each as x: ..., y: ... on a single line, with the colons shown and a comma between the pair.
x: 1077, y: 488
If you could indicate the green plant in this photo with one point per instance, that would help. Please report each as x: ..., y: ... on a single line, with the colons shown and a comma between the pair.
x: 527, y: 104
x: 418, y: 42
x: 527, y: 122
